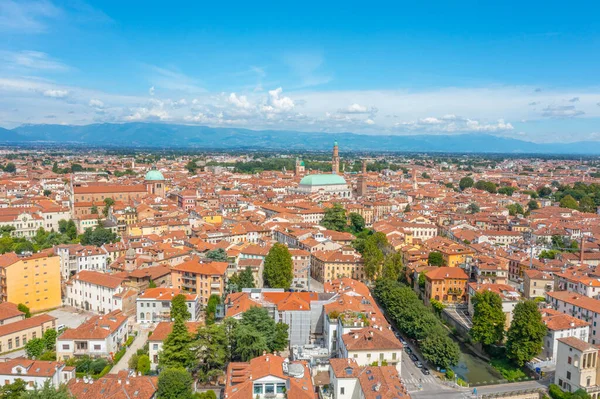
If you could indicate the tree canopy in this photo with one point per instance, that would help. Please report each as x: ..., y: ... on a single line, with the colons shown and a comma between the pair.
x: 435, y: 259
x: 218, y: 255
x: 278, y: 267
x: 174, y: 383
x: 488, y: 318
x: 526, y: 333
x: 465, y: 183
x: 335, y: 218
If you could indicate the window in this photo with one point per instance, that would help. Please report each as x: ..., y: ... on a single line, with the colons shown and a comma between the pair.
x: 155, y: 346
x: 269, y: 388
x: 96, y: 347
x: 342, y: 391
x: 10, y: 344
x: 568, y: 375
x: 258, y: 389
x: 569, y: 360
x: 280, y: 388
x: 66, y: 347
x: 17, y: 341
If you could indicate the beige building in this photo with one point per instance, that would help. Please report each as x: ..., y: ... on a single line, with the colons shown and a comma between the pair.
x: 329, y: 265
x: 16, y: 334
x: 577, y: 366
x: 536, y: 283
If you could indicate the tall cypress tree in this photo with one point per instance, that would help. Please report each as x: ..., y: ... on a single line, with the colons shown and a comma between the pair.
x: 177, y: 348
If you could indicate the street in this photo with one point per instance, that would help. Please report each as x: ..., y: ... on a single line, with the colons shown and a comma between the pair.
x: 138, y: 343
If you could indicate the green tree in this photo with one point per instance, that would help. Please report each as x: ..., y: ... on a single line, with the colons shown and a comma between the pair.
x: 50, y: 339
x: 108, y: 202
x: 357, y: 222
x: 132, y: 363
x: 278, y: 267
x: 191, y: 167
x: 151, y: 284
x: 47, y: 392
x: 526, y: 333
x: 211, y: 308
x: 392, y: 267
x: 23, y: 308
x: 276, y: 334
x: 532, y: 205
x: 569, y: 202
x: 218, y: 255
x: 587, y: 204
x: 68, y: 228
x: 544, y: 191
x: 548, y: 254
x: 440, y: 350
x: 335, y: 218
x: 488, y: 318
x: 143, y: 364
x: 249, y: 343
x: 374, y: 251
x: 435, y: 259
x: 407, y: 208
x: 34, y: 348
x: 47, y: 193
x: 174, y: 383
x: 422, y: 280
x: 14, y: 390
x: 94, y: 210
x: 473, y: 208
x: 212, y: 352
x: 179, y: 308
x: 246, y: 279
x: 177, y: 348
x: 98, y: 236
x: 465, y: 183
x: 515, y: 209
x: 10, y: 168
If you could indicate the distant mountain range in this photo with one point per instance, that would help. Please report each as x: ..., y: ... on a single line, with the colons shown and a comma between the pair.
x: 161, y: 135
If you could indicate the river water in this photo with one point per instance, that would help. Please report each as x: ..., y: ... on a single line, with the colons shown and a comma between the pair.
x: 473, y: 369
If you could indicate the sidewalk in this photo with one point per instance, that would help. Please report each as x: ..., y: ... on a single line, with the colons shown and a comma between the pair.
x: 138, y: 343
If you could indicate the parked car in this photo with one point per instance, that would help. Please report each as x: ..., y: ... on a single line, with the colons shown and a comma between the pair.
x: 403, y: 341
x: 425, y: 371
x: 407, y: 350
x: 418, y: 364
x: 413, y: 357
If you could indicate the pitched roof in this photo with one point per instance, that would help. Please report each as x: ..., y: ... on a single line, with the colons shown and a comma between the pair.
x: 96, y: 327
x: 97, y: 278
x: 8, y: 310
x: 31, y: 368
x: 25, y: 324
x: 113, y: 386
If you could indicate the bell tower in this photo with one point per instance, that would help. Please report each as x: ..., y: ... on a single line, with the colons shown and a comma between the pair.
x: 335, y: 160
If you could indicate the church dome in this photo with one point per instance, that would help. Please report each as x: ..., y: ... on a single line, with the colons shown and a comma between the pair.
x: 322, y: 180
x: 154, y: 174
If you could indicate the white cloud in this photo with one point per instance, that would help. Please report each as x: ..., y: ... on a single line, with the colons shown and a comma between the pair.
x: 574, y: 100
x: 453, y: 124
x: 30, y: 60
x: 354, y: 109
x: 27, y: 16
x: 56, y: 93
x: 369, y: 121
x: 278, y: 103
x: 96, y: 103
x: 151, y: 90
x: 239, y: 101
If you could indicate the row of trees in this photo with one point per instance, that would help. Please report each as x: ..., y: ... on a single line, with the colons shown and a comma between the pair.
x: 524, y: 338
x: 417, y: 321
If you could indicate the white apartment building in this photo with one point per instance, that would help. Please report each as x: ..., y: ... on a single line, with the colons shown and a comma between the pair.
x: 154, y: 305
x: 99, y: 336
x: 580, y: 307
x: 577, y: 366
x: 35, y: 373
x: 76, y: 257
x: 561, y: 325
x: 94, y: 291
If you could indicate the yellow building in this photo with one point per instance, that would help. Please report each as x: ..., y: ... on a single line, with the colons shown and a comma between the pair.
x: 32, y: 280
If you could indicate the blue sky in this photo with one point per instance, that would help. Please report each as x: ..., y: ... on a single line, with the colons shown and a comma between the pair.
x: 519, y: 69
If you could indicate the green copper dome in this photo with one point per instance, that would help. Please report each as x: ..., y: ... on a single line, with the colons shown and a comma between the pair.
x: 154, y: 175
x: 301, y: 163
x: 322, y: 180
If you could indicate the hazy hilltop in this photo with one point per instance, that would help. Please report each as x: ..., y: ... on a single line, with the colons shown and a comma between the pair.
x: 172, y: 135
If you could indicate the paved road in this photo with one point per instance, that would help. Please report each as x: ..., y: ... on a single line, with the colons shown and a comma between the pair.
x: 138, y: 343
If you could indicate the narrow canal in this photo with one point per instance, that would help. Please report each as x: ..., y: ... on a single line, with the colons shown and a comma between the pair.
x: 473, y: 369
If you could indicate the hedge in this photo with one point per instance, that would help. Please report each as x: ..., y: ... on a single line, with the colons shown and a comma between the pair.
x: 129, y: 340
x: 119, y: 354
